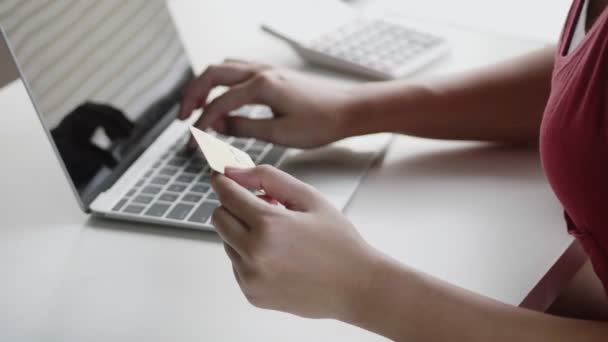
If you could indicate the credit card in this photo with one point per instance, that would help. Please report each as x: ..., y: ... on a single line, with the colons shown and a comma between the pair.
x: 219, y: 154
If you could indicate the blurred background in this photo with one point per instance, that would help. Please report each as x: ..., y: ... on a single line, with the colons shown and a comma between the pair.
x: 538, y: 20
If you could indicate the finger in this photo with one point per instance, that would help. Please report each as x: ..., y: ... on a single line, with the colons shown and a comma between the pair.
x: 257, y: 66
x: 236, y: 61
x: 233, y: 99
x: 232, y: 254
x: 263, y: 129
x: 218, y: 126
x: 230, y: 229
x: 238, y: 200
x: 237, y: 276
x: 197, y: 91
x: 238, y: 96
x: 289, y: 191
x: 268, y: 199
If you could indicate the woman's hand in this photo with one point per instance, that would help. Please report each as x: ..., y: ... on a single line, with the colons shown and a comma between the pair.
x: 302, y: 257
x: 305, y: 114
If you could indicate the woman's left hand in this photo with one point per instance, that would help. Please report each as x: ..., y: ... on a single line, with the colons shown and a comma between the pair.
x: 302, y: 257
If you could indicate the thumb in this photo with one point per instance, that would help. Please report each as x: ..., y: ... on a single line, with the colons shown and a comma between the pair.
x: 278, y: 185
x: 263, y: 129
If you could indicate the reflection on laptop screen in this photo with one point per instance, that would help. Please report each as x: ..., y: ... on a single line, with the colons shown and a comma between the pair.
x: 105, y: 76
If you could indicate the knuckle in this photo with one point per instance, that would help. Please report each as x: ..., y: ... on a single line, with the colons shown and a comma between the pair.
x: 310, y: 189
x: 208, y: 75
x: 265, y: 170
x: 257, y: 250
x: 261, y: 67
x: 212, y: 68
x: 215, y: 216
x: 250, y: 252
x: 253, y: 300
x: 251, y: 280
x: 264, y: 77
x: 253, y: 253
x: 188, y: 88
x: 267, y: 220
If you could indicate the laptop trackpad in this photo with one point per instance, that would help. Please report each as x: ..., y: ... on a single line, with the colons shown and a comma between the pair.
x: 337, y: 169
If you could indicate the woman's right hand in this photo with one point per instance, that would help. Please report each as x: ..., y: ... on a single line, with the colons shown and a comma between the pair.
x: 306, y: 114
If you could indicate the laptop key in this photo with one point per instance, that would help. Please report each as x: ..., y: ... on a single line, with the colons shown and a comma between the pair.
x: 258, y: 146
x: 200, y: 188
x: 180, y: 211
x: 212, y: 196
x: 168, y: 197
x: 184, y: 153
x: 194, y: 168
x: 197, y: 162
x: 143, y: 199
x: 120, y: 204
x: 253, y: 154
x: 168, y: 171
x: 192, y: 198
x: 134, y: 209
x: 177, y: 162
x: 151, y: 190
x: 160, y: 180
x: 273, y: 156
x: 185, y: 178
x: 157, y: 209
x: 176, y: 187
x: 131, y: 193
x: 240, y: 144
x: 205, y: 178
x: 203, y: 212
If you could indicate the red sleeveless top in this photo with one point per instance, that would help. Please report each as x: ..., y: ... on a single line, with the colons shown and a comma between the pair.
x: 574, y: 136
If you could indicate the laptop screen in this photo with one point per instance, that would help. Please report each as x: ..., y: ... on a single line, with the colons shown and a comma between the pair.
x: 104, y: 76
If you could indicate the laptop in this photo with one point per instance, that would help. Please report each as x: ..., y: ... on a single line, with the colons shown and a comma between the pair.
x: 105, y: 78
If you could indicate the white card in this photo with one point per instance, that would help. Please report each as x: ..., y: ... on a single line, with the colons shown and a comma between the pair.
x: 219, y: 154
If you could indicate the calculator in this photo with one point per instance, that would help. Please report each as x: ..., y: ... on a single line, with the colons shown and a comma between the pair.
x: 370, y: 47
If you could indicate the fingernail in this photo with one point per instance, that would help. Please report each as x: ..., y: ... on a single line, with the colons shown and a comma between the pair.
x: 234, y: 170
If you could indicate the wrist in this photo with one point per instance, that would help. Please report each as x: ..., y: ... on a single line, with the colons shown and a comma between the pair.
x: 359, y: 291
x: 385, y: 302
x: 356, y: 113
x: 385, y: 107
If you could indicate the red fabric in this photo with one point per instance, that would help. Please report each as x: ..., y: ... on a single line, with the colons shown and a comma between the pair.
x: 574, y: 136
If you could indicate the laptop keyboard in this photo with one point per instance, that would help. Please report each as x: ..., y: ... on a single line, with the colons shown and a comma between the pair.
x: 177, y: 187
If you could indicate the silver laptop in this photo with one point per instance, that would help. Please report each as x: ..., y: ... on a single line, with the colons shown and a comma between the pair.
x: 105, y: 78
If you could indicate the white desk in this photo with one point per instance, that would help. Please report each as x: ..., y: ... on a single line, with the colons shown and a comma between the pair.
x: 478, y: 216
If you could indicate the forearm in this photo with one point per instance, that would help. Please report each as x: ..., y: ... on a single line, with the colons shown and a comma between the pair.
x: 406, y: 305
x: 503, y: 102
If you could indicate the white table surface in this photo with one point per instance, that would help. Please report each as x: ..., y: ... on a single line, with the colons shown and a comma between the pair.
x: 482, y: 217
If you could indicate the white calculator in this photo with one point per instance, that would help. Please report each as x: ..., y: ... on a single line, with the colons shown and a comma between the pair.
x: 367, y: 46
